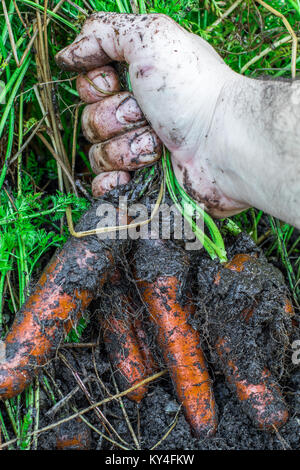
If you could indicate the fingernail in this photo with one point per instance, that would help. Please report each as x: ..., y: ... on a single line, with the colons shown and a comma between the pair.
x: 106, y: 80
x: 144, y: 145
x: 129, y: 111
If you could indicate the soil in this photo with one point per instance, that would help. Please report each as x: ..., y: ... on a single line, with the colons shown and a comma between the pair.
x: 264, y: 340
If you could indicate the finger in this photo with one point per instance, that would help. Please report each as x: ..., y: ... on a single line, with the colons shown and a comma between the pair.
x: 111, y: 36
x: 112, y: 116
x: 84, y: 54
x: 89, y: 85
x: 130, y: 151
x: 107, y: 181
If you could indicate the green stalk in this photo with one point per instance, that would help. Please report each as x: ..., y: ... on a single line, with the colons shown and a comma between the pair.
x: 215, y: 234
x: 256, y: 219
x: 275, y: 225
x: 49, y: 389
x: 68, y: 88
x: 49, y: 12
x: 4, y: 430
x: 142, y: 7
x: 20, y: 141
x: 55, y: 209
x: 93, y: 5
x: 232, y: 227
x: 9, y: 409
x: 127, y: 6
x: 4, y: 259
x: 22, y: 270
x: 286, y: 69
x: 11, y: 9
x: 120, y: 5
x: 37, y: 412
x: 295, y: 4
x: 10, y: 83
x: 293, y: 246
x: 27, y: 419
x: 198, y: 232
x: 182, y: 200
x: 2, y: 280
x: 9, y: 145
x: 4, y: 55
x: 22, y: 70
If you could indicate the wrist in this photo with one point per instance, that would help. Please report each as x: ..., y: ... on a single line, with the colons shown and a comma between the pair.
x: 202, y: 169
x: 257, y: 141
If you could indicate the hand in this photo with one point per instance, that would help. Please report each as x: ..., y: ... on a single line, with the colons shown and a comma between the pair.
x: 176, y: 78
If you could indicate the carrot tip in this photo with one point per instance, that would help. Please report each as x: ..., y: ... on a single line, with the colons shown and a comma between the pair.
x: 204, y: 430
x: 275, y: 422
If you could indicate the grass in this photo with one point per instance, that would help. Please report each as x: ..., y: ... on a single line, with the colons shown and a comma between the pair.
x: 40, y: 103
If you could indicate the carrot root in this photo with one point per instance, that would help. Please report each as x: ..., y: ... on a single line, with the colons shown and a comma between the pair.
x: 159, y: 281
x: 124, y: 352
x: 73, y: 436
x: 63, y: 292
x: 262, y: 401
x: 148, y: 358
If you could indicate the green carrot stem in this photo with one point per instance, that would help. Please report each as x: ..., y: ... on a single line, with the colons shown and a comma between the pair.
x: 216, y: 247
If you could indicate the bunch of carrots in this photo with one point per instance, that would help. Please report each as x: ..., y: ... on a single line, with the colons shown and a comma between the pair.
x: 76, y: 275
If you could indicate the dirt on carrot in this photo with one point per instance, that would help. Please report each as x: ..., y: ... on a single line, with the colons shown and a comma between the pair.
x: 156, y: 413
x: 59, y: 299
x: 262, y: 341
x: 122, y: 346
x: 73, y: 436
x: 226, y: 295
x: 179, y: 343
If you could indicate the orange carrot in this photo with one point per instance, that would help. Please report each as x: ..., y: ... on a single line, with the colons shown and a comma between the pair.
x: 179, y: 344
x: 63, y: 292
x: 148, y: 358
x: 127, y: 352
x: 74, y: 435
x: 263, y: 401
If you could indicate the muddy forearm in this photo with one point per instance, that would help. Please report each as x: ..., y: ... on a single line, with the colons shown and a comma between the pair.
x: 258, y: 125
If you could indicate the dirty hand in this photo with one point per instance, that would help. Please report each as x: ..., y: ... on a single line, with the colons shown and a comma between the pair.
x: 171, y: 72
x: 231, y: 143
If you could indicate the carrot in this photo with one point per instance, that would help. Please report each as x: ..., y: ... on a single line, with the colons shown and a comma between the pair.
x: 63, y: 292
x: 148, y: 358
x: 262, y: 401
x: 73, y: 436
x: 127, y: 351
x: 178, y: 341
